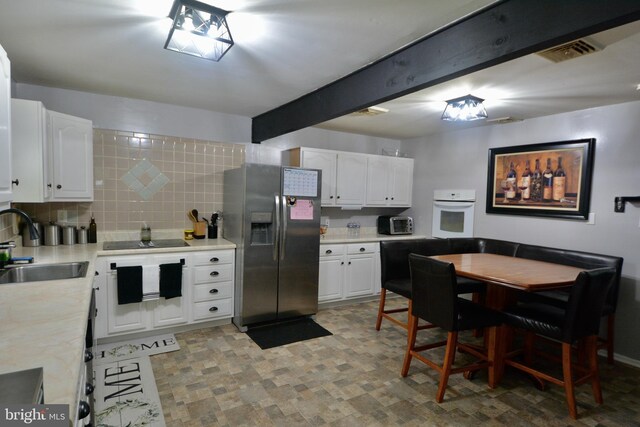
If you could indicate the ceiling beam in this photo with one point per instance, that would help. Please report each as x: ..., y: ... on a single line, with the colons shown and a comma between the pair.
x: 501, y: 32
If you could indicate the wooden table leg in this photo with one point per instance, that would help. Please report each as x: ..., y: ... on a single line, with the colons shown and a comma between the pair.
x: 499, y: 336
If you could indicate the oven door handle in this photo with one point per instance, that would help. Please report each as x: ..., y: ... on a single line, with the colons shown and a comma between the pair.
x: 460, y: 205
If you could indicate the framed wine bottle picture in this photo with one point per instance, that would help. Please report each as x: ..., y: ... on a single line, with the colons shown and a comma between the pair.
x: 552, y: 179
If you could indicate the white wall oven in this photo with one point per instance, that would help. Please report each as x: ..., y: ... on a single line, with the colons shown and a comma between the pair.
x: 453, y: 212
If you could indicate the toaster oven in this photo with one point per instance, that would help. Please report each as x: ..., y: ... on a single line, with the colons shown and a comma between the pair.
x: 395, y: 224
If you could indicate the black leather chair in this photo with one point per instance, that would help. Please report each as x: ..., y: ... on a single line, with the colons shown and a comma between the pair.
x: 396, y: 275
x: 581, y: 260
x: 579, y: 320
x: 435, y: 299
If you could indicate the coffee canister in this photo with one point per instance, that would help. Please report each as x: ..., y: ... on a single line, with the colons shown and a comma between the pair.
x: 51, y: 235
x: 82, y: 235
x: 26, y: 236
x: 69, y: 235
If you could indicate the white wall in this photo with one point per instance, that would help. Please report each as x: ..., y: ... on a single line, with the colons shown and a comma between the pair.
x: 112, y: 112
x: 459, y: 160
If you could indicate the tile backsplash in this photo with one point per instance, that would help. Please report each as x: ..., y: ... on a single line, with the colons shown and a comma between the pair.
x: 153, y: 178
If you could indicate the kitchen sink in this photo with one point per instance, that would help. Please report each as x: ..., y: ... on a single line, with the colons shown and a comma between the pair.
x: 40, y: 272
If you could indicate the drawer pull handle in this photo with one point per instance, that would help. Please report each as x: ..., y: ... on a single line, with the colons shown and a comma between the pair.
x: 328, y: 251
x: 214, y: 259
x: 362, y: 249
x: 213, y: 309
x: 214, y: 273
x: 213, y: 291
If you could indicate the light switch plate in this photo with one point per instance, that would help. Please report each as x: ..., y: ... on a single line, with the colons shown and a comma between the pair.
x: 592, y: 218
x: 62, y: 215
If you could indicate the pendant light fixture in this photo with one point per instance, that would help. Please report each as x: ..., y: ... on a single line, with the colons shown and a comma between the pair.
x: 464, y: 109
x: 199, y: 29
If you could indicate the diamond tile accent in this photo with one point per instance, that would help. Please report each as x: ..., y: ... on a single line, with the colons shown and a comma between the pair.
x: 145, y: 167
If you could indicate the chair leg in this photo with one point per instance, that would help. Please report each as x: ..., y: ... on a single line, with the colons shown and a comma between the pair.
x: 611, y: 320
x: 411, y: 343
x: 449, y: 356
x: 383, y: 297
x: 567, y: 371
x: 592, y: 354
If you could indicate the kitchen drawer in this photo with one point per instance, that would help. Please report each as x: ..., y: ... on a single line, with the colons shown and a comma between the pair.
x: 214, y: 273
x: 362, y: 248
x: 214, y: 258
x: 213, y: 309
x: 212, y: 291
x: 331, y: 250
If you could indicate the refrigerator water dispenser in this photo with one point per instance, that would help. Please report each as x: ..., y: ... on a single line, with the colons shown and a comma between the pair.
x: 261, y: 228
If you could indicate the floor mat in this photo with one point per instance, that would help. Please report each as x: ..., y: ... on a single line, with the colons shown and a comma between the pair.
x: 135, y: 348
x: 126, y: 394
x: 278, y: 334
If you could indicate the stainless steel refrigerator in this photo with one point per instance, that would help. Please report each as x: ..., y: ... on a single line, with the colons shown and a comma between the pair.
x: 272, y: 214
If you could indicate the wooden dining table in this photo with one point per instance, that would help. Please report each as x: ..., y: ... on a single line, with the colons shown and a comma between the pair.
x: 504, y: 276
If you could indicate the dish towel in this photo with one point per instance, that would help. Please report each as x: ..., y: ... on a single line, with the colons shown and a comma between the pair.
x: 129, y: 284
x: 150, y: 281
x: 171, y: 280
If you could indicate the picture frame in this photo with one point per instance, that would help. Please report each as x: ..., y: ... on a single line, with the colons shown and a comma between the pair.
x: 565, y: 192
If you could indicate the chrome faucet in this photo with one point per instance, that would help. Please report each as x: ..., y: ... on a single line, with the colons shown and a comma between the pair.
x: 33, y: 232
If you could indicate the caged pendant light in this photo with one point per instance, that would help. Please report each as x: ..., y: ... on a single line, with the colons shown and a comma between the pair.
x: 464, y: 109
x: 199, y: 29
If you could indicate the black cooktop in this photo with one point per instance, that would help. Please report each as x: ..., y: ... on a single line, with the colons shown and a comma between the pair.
x: 136, y: 244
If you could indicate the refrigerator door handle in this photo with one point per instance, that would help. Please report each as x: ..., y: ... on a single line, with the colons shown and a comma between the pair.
x: 283, y: 235
x: 276, y: 229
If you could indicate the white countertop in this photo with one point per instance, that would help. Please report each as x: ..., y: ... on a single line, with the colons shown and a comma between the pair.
x: 364, y: 238
x: 43, y: 324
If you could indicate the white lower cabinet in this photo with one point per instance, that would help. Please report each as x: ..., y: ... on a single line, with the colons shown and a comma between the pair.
x: 207, y: 292
x: 348, y: 271
x: 213, y: 290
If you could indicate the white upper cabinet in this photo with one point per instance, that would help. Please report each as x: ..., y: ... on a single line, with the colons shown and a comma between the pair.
x: 71, y: 157
x: 389, y: 181
x: 344, y: 175
x: 5, y: 128
x: 52, y: 154
x: 351, y: 179
x: 327, y: 162
x: 29, y: 151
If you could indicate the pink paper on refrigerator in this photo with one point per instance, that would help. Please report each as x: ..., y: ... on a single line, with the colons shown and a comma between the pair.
x: 303, y: 209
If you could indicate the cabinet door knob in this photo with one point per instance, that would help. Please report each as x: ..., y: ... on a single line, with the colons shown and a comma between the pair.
x: 213, y: 309
x: 214, y: 259
x: 88, y: 355
x: 97, y: 274
x: 386, y: 198
x: 213, y: 291
x: 49, y: 185
x: 328, y: 251
x: 83, y: 409
x: 349, y: 262
x: 58, y: 186
x: 15, y: 182
x: 342, y: 263
x: 392, y: 198
x: 214, y: 273
x: 331, y: 197
x: 338, y: 197
x: 362, y: 249
x: 88, y: 389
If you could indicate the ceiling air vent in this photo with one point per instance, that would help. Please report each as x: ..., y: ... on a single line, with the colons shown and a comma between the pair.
x: 370, y: 111
x: 570, y: 50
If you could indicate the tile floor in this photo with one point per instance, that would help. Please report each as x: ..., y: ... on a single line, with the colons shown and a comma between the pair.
x: 352, y: 378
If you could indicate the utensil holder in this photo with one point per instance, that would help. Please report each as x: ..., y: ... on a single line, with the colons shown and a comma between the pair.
x: 200, y: 230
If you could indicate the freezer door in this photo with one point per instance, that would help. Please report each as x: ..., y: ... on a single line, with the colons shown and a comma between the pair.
x: 299, y: 252
x: 259, y: 250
